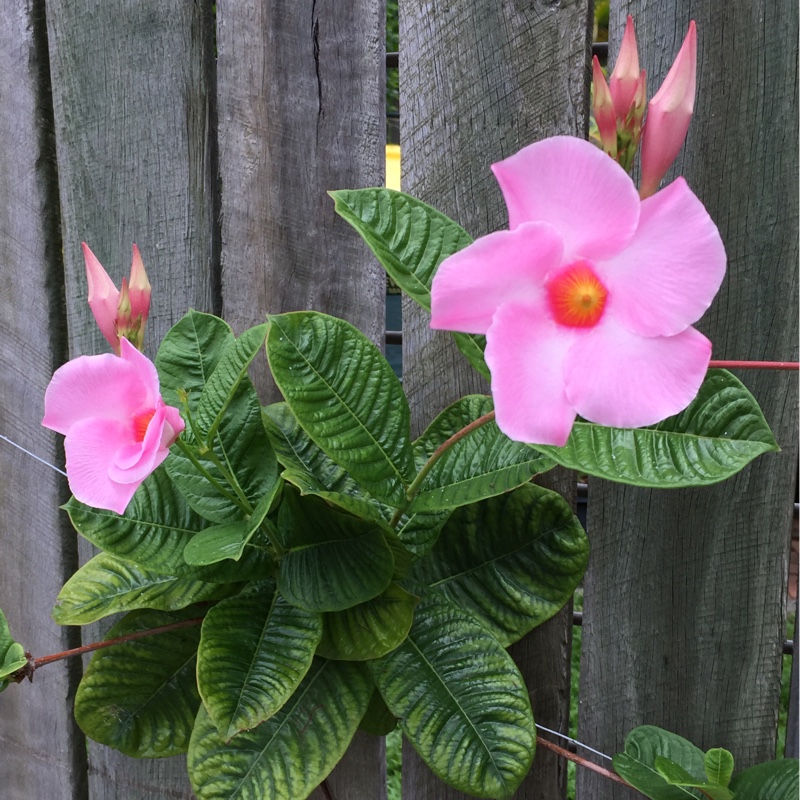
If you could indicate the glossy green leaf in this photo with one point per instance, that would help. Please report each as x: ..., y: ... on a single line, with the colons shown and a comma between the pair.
x: 419, y: 530
x: 460, y: 700
x: 511, y: 562
x: 368, y: 630
x: 720, y: 432
x: 676, y: 775
x: 140, y: 697
x: 772, y: 780
x: 255, y: 650
x: 12, y: 654
x: 333, y: 560
x: 287, y: 756
x: 482, y: 464
x: 108, y: 584
x: 346, y: 397
x: 643, y: 746
x: 719, y: 765
x: 378, y: 720
x: 410, y: 239
x: 222, y: 386
x: 189, y: 354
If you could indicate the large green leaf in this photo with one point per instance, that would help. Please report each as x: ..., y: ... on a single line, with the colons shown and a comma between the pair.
x: 720, y: 432
x: 189, y: 354
x: 772, y: 780
x: 140, y: 697
x: 287, y: 756
x: 482, y: 464
x: 637, y: 765
x: 333, y: 560
x: 108, y: 584
x: 368, y: 630
x: 242, y: 446
x: 12, y: 654
x: 511, y: 562
x: 346, y: 397
x: 460, y: 700
x: 255, y: 650
x: 410, y: 239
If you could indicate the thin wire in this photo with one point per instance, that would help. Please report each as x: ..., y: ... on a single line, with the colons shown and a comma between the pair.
x: 33, y: 455
x: 574, y: 741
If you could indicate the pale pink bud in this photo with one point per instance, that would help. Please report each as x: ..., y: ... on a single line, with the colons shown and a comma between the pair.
x: 103, y: 297
x: 625, y: 77
x: 139, y: 288
x: 668, y: 116
x: 603, y: 110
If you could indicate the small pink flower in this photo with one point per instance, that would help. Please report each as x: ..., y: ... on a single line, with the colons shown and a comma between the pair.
x: 117, y: 427
x: 118, y: 314
x: 587, y: 302
x: 668, y: 116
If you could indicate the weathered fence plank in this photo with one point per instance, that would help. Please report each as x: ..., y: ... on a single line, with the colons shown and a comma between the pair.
x: 685, y: 592
x: 43, y: 753
x: 478, y: 81
x: 301, y: 112
x: 132, y: 116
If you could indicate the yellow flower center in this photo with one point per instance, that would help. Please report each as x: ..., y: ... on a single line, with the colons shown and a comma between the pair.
x: 576, y: 296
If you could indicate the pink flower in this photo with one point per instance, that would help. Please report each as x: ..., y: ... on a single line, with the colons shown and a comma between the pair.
x: 668, y: 116
x: 119, y: 314
x: 587, y: 301
x: 117, y: 427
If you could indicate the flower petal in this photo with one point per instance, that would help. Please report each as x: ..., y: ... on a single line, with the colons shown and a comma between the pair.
x: 614, y: 377
x: 90, y: 447
x: 470, y: 285
x: 525, y: 352
x: 575, y: 187
x: 668, y: 275
x: 134, y: 461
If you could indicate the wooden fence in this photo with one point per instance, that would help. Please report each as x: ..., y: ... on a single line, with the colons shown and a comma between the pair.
x: 210, y: 141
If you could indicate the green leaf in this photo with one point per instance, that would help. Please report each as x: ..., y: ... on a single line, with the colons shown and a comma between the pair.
x: 460, y: 700
x: 189, y: 354
x: 12, y: 654
x: 419, y: 530
x: 676, y: 775
x: 222, y: 386
x: 242, y: 446
x: 140, y: 697
x: 287, y: 756
x: 368, y: 630
x: 378, y: 720
x: 410, y: 239
x: 772, y: 780
x: 637, y: 765
x: 255, y: 650
x: 482, y: 464
x: 511, y: 562
x: 108, y: 584
x: 720, y: 432
x: 719, y: 765
x: 334, y: 561
x: 346, y: 397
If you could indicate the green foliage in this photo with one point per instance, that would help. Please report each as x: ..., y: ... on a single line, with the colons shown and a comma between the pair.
x: 12, y: 654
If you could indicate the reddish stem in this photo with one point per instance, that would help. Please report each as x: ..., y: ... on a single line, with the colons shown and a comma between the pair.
x: 753, y: 365
x: 582, y: 762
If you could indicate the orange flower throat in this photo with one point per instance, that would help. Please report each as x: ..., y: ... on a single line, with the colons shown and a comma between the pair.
x: 576, y: 296
x: 140, y: 423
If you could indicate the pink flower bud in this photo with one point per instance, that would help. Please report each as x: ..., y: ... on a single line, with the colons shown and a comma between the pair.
x: 668, y: 116
x: 625, y: 77
x: 603, y: 110
x: 103, y: 297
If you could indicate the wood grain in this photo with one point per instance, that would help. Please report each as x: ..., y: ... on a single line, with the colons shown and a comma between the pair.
x: 685, y: 594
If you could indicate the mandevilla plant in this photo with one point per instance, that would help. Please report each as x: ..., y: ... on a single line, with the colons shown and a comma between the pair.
x: 292, y: 573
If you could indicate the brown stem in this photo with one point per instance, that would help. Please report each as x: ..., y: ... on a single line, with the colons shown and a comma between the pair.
x: 582, y: 762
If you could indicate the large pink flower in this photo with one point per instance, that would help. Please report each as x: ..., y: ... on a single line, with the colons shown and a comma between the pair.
x: 117, y: 427
x: 587, y: 302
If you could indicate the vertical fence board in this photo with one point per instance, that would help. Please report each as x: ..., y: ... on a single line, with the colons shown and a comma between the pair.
x: 478, y: 81
x: 301, y: 112
x: 132, y: 125
x: 685, y: 592
x: 43, y: 753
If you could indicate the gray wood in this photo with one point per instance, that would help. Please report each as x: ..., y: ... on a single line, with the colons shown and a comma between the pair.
x: 301, y: 112
x: 685, y: 594
x: 478, y: 81
x: 135, y: 162
x: 43, y: 754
